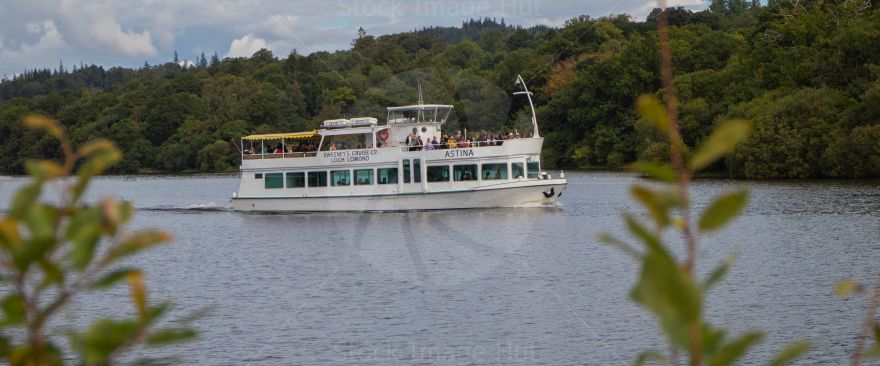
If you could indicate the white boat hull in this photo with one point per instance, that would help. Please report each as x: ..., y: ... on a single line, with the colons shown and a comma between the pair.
x: 540, y: 193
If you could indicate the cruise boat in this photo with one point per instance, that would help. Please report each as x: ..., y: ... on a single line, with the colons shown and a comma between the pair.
x: 358, y: 164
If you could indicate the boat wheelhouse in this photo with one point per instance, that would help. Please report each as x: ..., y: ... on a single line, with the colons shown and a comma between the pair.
x: 359, y: 165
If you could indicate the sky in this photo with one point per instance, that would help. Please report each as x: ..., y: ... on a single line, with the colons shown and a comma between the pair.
x: 42, y: 33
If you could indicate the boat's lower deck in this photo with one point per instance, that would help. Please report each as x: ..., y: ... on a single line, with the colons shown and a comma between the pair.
x: 511, y: 194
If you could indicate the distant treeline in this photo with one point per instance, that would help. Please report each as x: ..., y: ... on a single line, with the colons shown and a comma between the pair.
x: 806, y: 73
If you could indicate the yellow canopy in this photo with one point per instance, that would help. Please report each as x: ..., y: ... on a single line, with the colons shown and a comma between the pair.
x: 279, y: 136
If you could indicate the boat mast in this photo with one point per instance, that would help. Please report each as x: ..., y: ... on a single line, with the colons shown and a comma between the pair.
x: 528, y: 94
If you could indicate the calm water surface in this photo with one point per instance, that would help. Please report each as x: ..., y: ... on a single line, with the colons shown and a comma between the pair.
x: 502, y: 286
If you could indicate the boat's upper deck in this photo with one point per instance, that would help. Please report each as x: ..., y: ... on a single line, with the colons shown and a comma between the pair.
x: 409, y: 128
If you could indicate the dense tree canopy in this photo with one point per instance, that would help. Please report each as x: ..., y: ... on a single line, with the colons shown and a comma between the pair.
x: 807, y: 73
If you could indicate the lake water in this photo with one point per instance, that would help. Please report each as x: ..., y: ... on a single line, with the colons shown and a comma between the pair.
x: 500, y: 286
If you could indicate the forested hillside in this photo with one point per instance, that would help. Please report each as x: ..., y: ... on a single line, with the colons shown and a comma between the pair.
x: 807, y: 73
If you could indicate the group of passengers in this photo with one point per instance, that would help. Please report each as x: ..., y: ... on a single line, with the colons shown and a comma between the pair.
x: 457, y: 141
x: 301, y: 147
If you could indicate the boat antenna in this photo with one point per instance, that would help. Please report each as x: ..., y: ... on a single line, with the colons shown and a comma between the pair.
x: 421, y: 101
x: 528, y: 94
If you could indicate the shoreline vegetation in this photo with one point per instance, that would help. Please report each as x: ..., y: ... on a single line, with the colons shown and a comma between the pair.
x: 806, y: 73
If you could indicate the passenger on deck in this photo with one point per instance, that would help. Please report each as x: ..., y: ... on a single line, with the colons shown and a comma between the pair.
x: 333, y: 147
x: 382, y: 139
x: 429, y: 145
x: 410, y: 141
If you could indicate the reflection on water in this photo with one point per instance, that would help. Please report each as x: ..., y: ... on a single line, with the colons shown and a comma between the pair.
x: 504, y: 286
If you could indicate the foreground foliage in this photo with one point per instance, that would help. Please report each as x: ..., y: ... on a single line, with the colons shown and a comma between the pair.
x: 806, y: 73
x: 667, y: 286
x: 55, y: 249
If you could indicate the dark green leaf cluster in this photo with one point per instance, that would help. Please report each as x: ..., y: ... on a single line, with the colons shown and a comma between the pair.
x: 51, y: 253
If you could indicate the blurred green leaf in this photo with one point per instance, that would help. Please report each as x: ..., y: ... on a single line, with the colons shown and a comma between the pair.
x: 730, y: 352
x: 84, y: 231
x: 656, y: 171
x: 24, y: 199
x: 617, y: 243
x: 651, y: 356
x: 43, y: 170
x: 13, y: 310
x: 138, y: 292
x: 4, y: 346
x: 47, y: 124
x: 31, y: 252
x: 713, y: 338
x: 845, y: 288
x: 138, y: 242
x: 105, y: 336
x: 95, y: 146
x: 25, y: 356
x: 52, y: 274
x: 721, y: 142
x: 10, y: 238
x: 41, y: 220
x: 657, y: 208
x: 723, y: 209
x: 666, y: 288
x: 718, y: 273
x: 126, y: 211
x: 168, y: 336
x: 112, y: 278
x: 873, y: 352
x: 790, y: 353
x: 97, y: 162
x: 654, y: 112
x: 155, y: 312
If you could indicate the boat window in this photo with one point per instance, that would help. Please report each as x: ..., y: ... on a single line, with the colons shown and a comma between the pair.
x: 274, y: 180
x: 406, y: 171
x: 534, y: 170
x: 518, y: 170
x: 258, y: 176
x: 387, y: 176
x: 438, y: 173
x: 296, y: 180
x: 317, y: 179
x: 494, y: 171
x: 464, y: 172
x: 340, y: 178
x: 417, y: 170
x: 363, y: 177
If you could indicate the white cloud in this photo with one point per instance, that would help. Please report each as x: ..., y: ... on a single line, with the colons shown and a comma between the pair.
x: 94, y: 27
x: 45, y: 50
x: 278, y: 26
x: 245, y: 46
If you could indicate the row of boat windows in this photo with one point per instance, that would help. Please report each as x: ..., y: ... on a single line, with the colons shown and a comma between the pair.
x: 412, y: 173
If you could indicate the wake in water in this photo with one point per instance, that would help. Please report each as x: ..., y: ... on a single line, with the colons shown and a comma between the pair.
x: 195, y: 207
